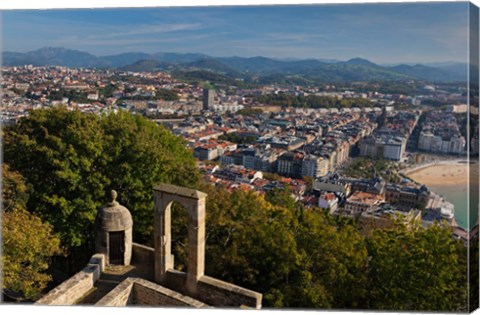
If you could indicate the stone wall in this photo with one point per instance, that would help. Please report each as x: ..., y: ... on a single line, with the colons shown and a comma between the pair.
x: 215, y: 292
x: 71, y: 290
x: 149, y: 293
x: 121, y: 295
x: 220, y: 293
x: 211, y: 291
x: 142, y: 255
x: 143, y: 258
x: 176, y: 280
x: 136, y: 291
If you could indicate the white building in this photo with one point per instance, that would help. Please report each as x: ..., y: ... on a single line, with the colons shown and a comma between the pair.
x: 429, y: 142
x: 387, y: 148
x: 314, y: 166
x: 394, y: 149
x: 328, y: 201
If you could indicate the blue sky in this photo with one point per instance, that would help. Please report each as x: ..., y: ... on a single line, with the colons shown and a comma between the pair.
x: 383, y: 33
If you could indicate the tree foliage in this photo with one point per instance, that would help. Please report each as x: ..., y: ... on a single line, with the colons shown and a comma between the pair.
x: 14, y: 190
x: 368, y: 168
x: 473, y: 274
x: 249, y: 242
x: 160, y: 94
x: 249, y: 112
x: 71, y: 160
x: 72, y: 95
x: 416, y: 269
x: 306, y: 258
x: 28, y: 243
x: 311, y: 101
x: 235, y: 138
x: 296, y: 257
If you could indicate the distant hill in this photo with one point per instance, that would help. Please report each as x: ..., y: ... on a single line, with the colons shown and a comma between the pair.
x: 58, y: 56
x: 344, y: 71
x: 427, y: 73
x: 52, y: 56
x: 262, y: 68
x: 146, y: 66
x: 212, y: 65
x: 125, y: 59
x: 458, y: 68
x: 266, y: 66
x: 360, y: 62
x: 178, y: 57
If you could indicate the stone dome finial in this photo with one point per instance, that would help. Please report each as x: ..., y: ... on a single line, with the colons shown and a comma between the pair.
x: 114, y: 195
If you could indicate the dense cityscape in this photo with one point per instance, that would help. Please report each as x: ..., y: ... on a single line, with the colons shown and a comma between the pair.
x: 244, y: 144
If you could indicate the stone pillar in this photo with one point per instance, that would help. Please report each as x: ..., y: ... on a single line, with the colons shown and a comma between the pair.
x: 162, y: 237
x: 196, y: 244
x: 127, y: 255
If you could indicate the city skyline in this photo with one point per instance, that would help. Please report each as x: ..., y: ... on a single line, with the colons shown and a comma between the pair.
x: 383, y: 33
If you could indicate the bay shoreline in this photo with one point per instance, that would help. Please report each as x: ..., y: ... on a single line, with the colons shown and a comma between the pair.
x: 451, y: 179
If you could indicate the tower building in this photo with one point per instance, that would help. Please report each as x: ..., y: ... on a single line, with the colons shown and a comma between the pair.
x: 208, y: 98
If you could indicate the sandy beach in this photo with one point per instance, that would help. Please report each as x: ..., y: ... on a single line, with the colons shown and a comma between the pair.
x: 445, y: 173
x: 449, y: 179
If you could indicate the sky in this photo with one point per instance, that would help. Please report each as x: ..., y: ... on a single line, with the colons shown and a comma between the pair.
x: 383, y: 33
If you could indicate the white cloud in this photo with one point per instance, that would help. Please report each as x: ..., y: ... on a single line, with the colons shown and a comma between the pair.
x: 145, y: 29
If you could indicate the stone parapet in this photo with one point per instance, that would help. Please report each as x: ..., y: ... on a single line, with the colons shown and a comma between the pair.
x: 71, y: 290
x: 223, y: 294
x: 143, y: 256
x: 121, y: 295
x: 215, y: 292
x: 136, y: 291
x: 149, y: 293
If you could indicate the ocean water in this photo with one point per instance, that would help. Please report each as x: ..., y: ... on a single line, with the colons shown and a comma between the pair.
x: 451, y: 181
x: 458, y: 195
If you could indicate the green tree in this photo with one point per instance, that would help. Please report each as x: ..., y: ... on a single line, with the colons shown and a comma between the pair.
x: 28, y: 243
x: 310, y: 101
x: 249, y: 111
x: 249, y: 242
x: 272, y: 176
x: 473, y: 274
x: 281, y: 197
x: 107, y: 91
x: 70, y: 160
x: 296, y: 257
x: 309, y: 181
x: 14, y: 190
x: 416, y: 269
x: 61, y: 155
x: 140, y: 155
x: 335, y: 257
x: 306, y: 258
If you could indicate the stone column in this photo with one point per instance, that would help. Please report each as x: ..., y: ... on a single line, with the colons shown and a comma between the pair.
x: 128, y: 247
x: 196, y: 244
x: 162, y: 237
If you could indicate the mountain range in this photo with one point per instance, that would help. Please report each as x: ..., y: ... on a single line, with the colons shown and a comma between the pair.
x: 355, y: 69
